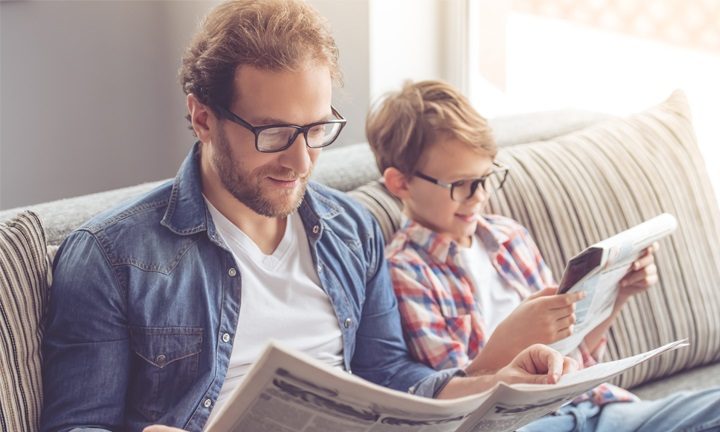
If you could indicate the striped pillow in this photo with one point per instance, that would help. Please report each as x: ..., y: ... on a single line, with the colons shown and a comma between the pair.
x: 579, y: 188
x: 24, y: 274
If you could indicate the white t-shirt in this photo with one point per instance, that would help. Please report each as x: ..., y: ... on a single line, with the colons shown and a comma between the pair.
x: 497, y: 299
x: 281, y: 299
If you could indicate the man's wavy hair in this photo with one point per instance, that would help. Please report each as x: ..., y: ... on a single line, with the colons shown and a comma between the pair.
x: 402, y: 124
x: 273, y: 35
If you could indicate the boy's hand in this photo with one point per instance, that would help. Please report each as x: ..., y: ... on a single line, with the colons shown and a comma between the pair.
x: 543, y: 318
x: 641, y: 276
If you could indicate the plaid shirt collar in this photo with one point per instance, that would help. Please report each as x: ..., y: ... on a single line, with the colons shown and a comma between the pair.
x: 445, y: 249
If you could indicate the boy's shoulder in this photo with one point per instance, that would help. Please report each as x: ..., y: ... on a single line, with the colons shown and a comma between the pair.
x: 405, y: 249
x: 503, y: 226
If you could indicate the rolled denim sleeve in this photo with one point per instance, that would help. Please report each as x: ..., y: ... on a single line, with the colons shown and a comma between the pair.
x: 433, y: 384
x: 85, y: 347
x: 381, y: 354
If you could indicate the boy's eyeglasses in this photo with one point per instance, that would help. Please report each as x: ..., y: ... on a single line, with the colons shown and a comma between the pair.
x: 464, y: 189
x: 278, y: 137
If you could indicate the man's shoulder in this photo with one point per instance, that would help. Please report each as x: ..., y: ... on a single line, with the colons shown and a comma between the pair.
x: 330, y: 203
x: 142, y: 211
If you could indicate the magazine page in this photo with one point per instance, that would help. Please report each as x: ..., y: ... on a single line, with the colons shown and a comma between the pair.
x: 598, y: 270
x: 288, y: 391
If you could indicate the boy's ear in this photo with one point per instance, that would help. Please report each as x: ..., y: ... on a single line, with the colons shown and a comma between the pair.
x: 396, y: 182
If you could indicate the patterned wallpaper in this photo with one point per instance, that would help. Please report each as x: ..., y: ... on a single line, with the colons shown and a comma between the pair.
x: 689, y: 23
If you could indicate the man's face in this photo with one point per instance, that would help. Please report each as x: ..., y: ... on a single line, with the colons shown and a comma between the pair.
x: 271, y: 184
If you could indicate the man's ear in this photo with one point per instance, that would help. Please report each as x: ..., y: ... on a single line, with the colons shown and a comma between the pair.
x: 201, y: 118
x: 396, y: 182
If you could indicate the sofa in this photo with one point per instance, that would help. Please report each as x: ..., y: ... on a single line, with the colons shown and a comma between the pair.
x: 575, y: 178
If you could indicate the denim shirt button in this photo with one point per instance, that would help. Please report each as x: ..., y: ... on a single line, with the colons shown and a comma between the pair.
x: 207, y: 403
x: 160, y: 360
x: 348, y: 321
x: 232, y: 272
x: 226, y: 337
x: 316, y: 229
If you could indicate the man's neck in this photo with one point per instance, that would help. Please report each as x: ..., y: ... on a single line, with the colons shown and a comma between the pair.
x: 265, y: 232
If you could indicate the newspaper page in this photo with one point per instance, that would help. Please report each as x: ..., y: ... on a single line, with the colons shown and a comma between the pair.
x: 598, y: 269
x: 287, y: 391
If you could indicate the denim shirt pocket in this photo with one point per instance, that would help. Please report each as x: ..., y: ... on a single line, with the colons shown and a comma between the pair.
x: 164, y: 366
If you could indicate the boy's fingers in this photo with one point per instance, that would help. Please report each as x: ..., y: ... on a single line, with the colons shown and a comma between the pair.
x: 543, y: 293
x: 566, y: 300
x: 643, y: 261
x: 646, y: 276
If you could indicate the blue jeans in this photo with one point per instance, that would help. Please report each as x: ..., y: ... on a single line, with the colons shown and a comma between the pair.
x: 683, y: 411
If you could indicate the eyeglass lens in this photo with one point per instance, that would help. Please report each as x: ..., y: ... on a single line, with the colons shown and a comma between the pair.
x: 281, y: 137
x: 464, y: 189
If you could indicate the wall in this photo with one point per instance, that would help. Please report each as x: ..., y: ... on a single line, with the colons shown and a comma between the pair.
x: 89, y: 98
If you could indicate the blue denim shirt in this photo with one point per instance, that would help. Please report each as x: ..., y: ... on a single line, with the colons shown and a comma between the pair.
x: 143, y: 294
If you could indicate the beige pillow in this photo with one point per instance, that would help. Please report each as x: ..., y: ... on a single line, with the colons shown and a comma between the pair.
x: 582, y: 187
x: 24, y: 277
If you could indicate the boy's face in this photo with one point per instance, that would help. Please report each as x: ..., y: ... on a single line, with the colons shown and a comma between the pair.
x: 448, y: 160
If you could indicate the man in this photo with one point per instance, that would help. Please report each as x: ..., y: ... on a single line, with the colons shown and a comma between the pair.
x: 160, y: 306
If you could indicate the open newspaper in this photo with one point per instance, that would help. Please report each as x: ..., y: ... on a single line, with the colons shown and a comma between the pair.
x: 288, y: 391
x: 598, y: 269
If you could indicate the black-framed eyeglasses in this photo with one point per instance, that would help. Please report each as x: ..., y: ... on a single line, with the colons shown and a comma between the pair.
x: 278, y: 137
x: 461, y: 190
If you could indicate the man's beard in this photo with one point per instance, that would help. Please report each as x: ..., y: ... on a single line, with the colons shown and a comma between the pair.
x: 247, y: 187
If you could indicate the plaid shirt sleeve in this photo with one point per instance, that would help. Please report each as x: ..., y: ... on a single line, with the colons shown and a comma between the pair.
x: 431, y: 337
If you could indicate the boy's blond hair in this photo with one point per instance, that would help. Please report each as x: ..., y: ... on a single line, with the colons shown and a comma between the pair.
x: 404, y: 123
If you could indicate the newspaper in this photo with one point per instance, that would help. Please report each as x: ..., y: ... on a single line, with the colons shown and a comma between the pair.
x: 288, y: 391
x: 597, y: 271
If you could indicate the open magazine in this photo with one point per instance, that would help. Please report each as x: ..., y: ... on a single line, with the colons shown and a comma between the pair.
x: 598, y: 269
x: 288, y: 391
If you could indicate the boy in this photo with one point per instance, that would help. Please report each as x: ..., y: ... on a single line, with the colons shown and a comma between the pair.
x: 470, y: 285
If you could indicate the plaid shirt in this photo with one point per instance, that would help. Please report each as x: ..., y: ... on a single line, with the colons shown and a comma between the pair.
x: 442, y: 319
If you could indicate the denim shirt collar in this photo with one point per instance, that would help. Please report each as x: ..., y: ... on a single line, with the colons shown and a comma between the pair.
x: 186, y: 212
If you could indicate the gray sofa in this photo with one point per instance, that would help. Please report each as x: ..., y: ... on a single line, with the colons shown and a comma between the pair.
x: 576, y: 177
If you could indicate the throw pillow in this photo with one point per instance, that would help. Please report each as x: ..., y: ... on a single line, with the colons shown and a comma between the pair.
x: 24, y: 275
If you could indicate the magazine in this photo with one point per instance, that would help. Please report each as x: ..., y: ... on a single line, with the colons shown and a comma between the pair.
x: 598, y: 269
x: 288, y: 391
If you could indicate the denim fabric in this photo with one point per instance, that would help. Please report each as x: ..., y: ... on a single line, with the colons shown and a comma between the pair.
x: 679, y: 412
x: 143, y: 293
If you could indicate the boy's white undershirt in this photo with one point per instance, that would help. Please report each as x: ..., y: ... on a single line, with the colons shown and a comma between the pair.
x: 497, y: 299
x: 281, y: 299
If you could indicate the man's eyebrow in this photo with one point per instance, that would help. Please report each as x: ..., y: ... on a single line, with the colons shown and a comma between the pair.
x: 263, y: 121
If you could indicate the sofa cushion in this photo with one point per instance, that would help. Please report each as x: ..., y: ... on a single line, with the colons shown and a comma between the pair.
x: 24, y: 277
x: 577, y: 189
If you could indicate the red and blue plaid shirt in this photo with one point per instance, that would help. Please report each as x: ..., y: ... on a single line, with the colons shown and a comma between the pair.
x: 442, y: 319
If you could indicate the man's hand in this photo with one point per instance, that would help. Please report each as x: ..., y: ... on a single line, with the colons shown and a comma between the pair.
x: 641, y: 276
x: 542, y: 318
x: 537, y: 364
x: 160, y: 428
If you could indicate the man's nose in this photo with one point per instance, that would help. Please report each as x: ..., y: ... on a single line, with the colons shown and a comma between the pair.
x: 297, y: 156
